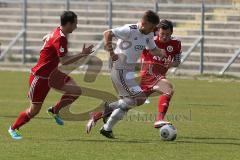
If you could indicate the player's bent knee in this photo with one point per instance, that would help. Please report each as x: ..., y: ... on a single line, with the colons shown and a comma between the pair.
x: 164, y: 87
x: 171, y: 92
x: 77, y: 91
x: 34, y: 114
x: 141, y: 101
x: 34, y: 110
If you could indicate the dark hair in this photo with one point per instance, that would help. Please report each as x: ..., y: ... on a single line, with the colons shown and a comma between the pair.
x: 151, y: 17
x: 67, y: 16
x: 165, y: 24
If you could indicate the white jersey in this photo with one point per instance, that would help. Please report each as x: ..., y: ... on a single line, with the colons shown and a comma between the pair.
x: 130, y: 45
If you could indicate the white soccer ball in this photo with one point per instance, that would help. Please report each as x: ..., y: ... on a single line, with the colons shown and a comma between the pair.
x: 168, y: 132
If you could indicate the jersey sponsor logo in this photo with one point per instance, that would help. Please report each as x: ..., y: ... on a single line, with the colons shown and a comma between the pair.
x: 165, y: 60
x: 139, y: 47
x: 61, y: 49
x: 157, y: 58
x: 169, y: 48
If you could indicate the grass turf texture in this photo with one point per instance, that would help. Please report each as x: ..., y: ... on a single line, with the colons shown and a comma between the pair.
x: 206, y: 114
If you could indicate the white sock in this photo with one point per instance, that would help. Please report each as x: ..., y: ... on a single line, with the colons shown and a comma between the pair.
x: 116, y: 116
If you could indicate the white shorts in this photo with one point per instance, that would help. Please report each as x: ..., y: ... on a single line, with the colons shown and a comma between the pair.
x: 124, y: 83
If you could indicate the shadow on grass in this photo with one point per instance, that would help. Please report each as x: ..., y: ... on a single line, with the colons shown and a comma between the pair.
x: 205, y: 105
x: 116, y: 140
x: 15, y: 116
x: 209, y: 140
x: 190, y: 140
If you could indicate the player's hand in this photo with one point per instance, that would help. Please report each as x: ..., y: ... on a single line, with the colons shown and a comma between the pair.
x: 163, y: 52
x: 88, y: 50
x: 114, y: 57
x: 167, y: 65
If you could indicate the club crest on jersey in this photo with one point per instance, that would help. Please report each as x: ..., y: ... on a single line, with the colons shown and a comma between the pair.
x: 61, y: 49
x: 124, y: 45
x: 169, y: 48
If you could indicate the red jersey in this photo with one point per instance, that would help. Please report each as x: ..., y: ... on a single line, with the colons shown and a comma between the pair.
x: 54, y: 47
x: 154, y: 65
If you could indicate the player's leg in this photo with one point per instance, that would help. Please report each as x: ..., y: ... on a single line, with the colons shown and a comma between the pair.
x: 37, y: 93
x: 71, y: 92
x: 26, y: 115
x: 120, y: 108
x: 22, y: 119
x: 132, y: 95
x: 165, y: 88
x: 122, y: 105
x: 125, y: 98
x: 116, y: 116
x: 127, y: 88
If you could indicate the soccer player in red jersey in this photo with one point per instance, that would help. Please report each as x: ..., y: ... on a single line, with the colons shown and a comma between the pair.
x: 154, y: 69
x: 45, y: 74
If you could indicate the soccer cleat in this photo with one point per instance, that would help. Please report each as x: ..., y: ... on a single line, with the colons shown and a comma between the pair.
x: 107, y: 112
x: 94, y: 117
x: 14, y: 133
x: 56, y: 117
x: 108, y: 134
x: 90, y: 125
x: 147, y: 101
x: 160, y: 123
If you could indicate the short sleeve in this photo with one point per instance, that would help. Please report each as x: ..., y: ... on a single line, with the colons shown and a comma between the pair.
x: 61, y: 46
x: 122, y: 32
x: 178, y: 52
x: 179, y: 48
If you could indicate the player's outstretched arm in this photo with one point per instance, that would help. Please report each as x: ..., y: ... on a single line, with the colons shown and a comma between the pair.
x: 108, y: 45
x: 69, y: 59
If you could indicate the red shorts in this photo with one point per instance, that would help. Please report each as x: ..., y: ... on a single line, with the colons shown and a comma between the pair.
x: 148, y: 82
x: 40, y: 86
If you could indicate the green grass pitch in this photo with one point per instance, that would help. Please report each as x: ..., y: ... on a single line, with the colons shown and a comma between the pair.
x: 205, y: 112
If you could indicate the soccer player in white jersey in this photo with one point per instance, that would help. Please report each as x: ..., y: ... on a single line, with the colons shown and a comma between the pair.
x: 132, y: 40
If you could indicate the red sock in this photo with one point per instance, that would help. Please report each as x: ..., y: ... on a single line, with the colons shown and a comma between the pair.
x: 21, y: 120
x: 65, y: 101
x: 163, y: 103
